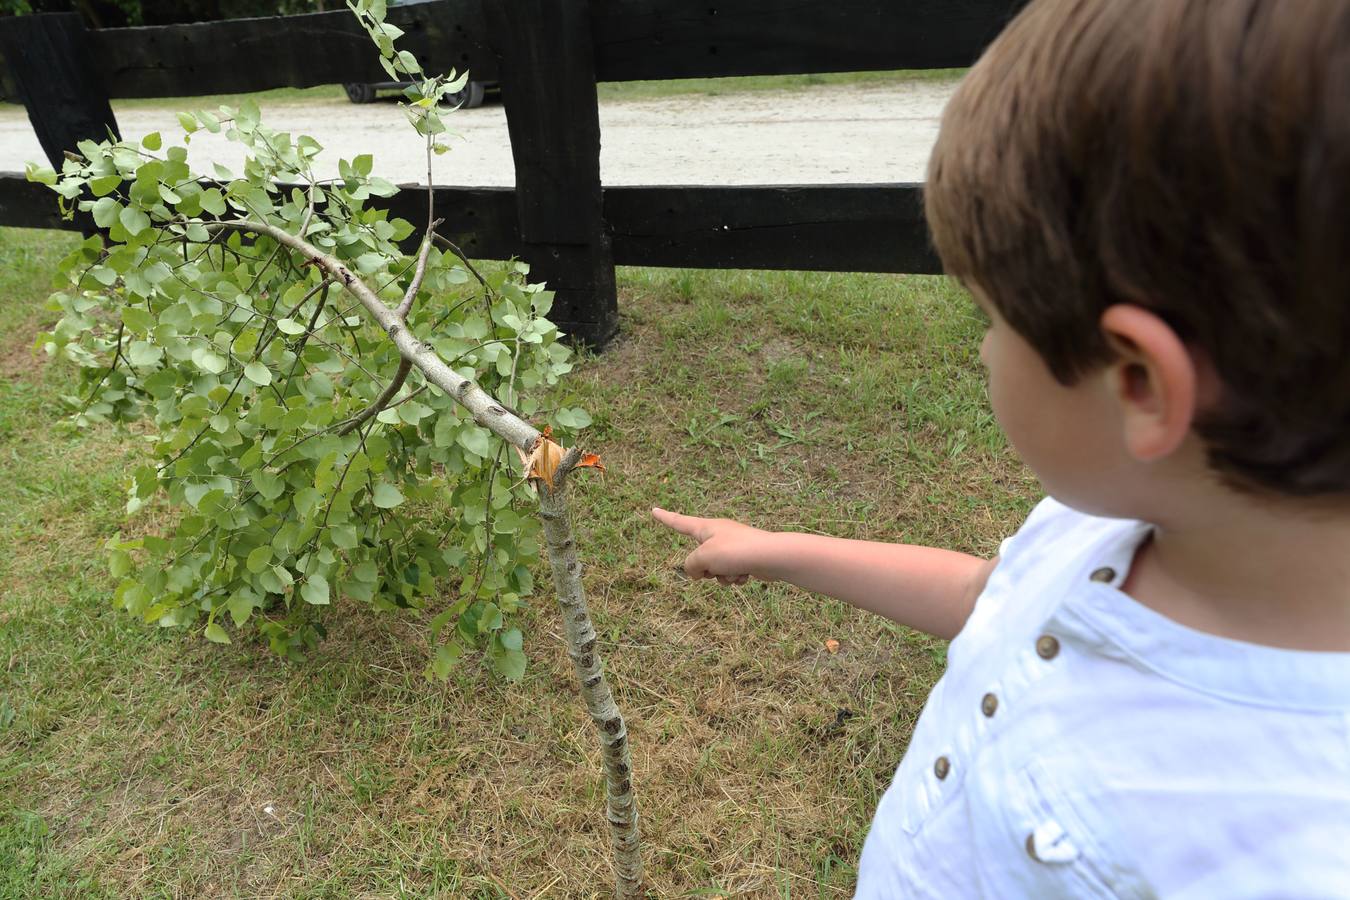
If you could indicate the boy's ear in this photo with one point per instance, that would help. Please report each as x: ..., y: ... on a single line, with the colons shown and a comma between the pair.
x: 1153, y: 378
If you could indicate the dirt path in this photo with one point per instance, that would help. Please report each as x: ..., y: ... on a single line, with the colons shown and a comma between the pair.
x: 826, y: 133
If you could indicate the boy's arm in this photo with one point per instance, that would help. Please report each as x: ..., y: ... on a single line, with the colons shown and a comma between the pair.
x: 923, y: 587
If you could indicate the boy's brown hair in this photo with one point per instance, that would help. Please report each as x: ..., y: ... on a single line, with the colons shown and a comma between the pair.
x: 1189, y: 156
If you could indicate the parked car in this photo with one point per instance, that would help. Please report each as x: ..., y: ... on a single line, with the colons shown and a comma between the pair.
x: 470, y: 97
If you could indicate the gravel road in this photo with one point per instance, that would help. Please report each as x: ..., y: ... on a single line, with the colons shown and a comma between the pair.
x: 821, y: 134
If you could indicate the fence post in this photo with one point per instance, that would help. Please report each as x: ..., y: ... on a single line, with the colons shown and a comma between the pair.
x: 547, y: 76
x: 48, y: 58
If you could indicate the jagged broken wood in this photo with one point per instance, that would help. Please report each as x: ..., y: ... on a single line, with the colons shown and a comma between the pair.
x: 621, y: 806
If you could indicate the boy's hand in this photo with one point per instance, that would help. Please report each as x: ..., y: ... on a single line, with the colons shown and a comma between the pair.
x: 727, y: 550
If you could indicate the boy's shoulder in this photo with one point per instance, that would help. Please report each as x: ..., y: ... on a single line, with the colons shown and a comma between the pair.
x: 1091, y: 747
x: 1056, y: 550
x: 1060, y: 577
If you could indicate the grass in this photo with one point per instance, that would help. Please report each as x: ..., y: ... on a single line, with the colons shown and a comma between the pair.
x: 646, y: 90
x: 138, y: 762
x: 608, y: 92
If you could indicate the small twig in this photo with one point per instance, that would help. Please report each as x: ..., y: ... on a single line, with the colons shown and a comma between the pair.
x: 112, y: 367
x: 198, y: 436
x: 309, y: 212
x: 404, y: 367
x: 325, y: 282
x: 450, y: 245
x: 435, y: 326
x: 304, y: 339
x: 341, y: 478
x: 421, y: 272
x: 486, y: 559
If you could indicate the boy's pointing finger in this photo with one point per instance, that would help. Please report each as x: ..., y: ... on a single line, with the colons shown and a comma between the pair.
x: 690, y: 525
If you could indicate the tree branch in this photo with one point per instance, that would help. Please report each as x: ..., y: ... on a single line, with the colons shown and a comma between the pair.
x: 416, y: 284
x: 486, y: 411
x: 404, y: 367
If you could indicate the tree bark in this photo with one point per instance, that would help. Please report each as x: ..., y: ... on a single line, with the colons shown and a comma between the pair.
x: 621, y: 805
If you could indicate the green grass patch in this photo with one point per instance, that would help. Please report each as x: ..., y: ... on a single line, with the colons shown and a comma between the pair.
x: 140, y: 762
x: 646, y: 90
x: 324, y: 93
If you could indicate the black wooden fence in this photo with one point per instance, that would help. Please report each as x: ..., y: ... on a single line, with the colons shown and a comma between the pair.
x: 548, y: 56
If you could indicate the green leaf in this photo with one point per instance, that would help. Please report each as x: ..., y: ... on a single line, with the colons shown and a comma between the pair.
x: 365, y: 572
x: 104, y: 184
x: 290, y: 326
x: 511, y: 665
x: 105, y: 212
x: 259, y: 559
x: 476, y: 440
x: 413, y: 412
x: 344, y: 537
x: 489, y: 619
x: 40, y: 174
x: 307, y: 500
x: 446, y: 656
x: 240, y: 607
x: 363, y: 164
x: 369, y: 262
x: 137, y: 319
x: 143, y: 353
x: 315, y: 590
x: 269, y: 486
x: 213, y: 201
x: 151, y: 141
x: 258, y: 373
x: 386, y: 496
x: 187, y: 121
x: 217, y: 634
x: 134, y: 220
x: 207, y: 361
x: 572, y: 418
x: 119, y: 563
x: 444, y: 433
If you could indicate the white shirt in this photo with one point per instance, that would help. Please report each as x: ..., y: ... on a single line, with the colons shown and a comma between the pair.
x: 1082, y: 745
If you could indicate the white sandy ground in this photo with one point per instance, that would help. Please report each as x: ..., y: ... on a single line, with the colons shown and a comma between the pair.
x: 815, y: 135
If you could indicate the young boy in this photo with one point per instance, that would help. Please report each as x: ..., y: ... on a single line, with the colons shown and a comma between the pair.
x: 1148, y: 691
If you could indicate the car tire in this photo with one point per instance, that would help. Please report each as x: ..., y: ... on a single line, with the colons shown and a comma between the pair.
x: 359, y: 93
x: 469, y: 97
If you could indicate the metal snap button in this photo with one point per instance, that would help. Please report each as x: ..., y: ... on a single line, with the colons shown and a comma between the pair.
x: 1047, y: 646
x: 1104, y: 574
x: 989, y: 705
x: 942, y: 767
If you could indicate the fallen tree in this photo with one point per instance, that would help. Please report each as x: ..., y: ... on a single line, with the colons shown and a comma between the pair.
x: 306, y: 378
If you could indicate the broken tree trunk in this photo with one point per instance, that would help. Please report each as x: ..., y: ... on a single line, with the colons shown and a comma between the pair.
x: 562, y: 552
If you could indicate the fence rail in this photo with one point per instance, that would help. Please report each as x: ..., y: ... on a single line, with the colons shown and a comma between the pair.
x: 548, y: 56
